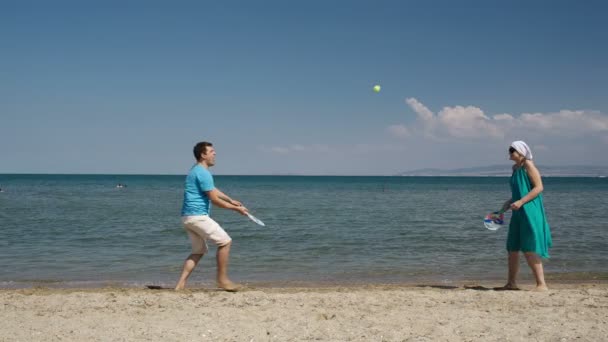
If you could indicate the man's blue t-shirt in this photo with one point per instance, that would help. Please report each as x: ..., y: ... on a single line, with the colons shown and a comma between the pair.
x: 196, y: 201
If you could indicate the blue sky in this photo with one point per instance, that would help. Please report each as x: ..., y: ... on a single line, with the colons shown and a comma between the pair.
x: 285, y: 87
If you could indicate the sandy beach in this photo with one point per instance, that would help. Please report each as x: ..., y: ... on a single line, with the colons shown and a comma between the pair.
x: 568, y: 312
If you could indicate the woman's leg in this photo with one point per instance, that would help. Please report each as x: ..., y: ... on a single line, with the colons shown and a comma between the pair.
x: 536, y: 264
x: 513, y: 270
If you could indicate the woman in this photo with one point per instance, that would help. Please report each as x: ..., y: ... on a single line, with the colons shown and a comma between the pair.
x: 529, y: 231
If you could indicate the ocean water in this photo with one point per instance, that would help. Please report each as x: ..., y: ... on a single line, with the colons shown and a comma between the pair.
x: 80, y: 230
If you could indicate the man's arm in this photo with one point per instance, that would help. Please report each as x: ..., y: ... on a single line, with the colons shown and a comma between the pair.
x: 227, y: 198
x: 215, y: 196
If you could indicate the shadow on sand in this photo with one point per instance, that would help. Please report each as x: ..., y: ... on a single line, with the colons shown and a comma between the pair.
x: 466, y: 287
x: 434, y: 286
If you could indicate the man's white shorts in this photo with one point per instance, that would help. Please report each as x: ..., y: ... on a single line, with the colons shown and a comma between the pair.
x: 202, y: 228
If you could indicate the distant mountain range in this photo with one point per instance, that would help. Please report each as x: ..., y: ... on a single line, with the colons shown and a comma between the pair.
x: 505, y: 170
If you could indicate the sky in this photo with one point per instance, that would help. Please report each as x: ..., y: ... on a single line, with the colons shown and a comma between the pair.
x: 285, y: 87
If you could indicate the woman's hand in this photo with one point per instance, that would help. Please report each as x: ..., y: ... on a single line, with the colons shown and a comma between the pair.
x: 516, y: 205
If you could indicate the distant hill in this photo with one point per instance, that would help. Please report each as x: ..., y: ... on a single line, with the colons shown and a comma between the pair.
x: 505, y: 170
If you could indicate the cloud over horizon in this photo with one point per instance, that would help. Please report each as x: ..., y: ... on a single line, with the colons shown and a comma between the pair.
x: 296, y: 148
x: 470, y: 122
x: 454, y: 128
x: 456, y: 136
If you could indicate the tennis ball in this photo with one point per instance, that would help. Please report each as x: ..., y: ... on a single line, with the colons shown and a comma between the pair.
x: 377, y: 88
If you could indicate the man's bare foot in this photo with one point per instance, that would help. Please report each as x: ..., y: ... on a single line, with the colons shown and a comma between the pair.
x: 229, y: 286
x: 541, y: 288
x: 179, y: 287
x: 508, y: 287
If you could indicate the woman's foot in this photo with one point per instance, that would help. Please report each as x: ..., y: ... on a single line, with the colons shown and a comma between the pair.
x: 507, y: 287
x: 229, y: 286
x: 541, y: 288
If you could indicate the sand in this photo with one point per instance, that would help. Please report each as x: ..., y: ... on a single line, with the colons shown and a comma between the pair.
x: 568, y: 312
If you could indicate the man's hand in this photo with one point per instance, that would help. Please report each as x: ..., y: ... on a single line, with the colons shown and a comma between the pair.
x: 237, y: 203
x: 242, y: 210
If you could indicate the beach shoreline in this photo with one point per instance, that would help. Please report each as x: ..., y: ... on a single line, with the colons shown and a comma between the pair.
x: 415, y: 312
x: 560, y: 278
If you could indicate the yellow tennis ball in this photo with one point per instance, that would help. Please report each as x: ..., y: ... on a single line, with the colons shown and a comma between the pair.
x: 377, y: 88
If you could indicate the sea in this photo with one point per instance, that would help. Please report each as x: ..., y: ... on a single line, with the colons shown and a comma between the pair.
x: 84, y: 231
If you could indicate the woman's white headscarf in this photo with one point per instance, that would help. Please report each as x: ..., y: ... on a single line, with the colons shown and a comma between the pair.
x: 522, y: 148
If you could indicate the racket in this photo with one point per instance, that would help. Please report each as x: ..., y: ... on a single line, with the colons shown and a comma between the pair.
x: 256, y: 220
x: 495, y: 220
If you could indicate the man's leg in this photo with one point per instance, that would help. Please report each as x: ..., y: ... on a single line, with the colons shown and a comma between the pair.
x: 536, y: 265
x: 223, y: 255
x: 189, y: 266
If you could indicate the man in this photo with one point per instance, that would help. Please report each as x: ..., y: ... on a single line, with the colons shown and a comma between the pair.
x: 199, y: 193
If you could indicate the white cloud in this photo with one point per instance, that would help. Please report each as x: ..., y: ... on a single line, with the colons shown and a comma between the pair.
x: 503, y: 117
x: 467, y: 122
x: 280, y: 150
x: 566, y: 122
x: 453, y: 136
x: 423, y: 112
x: 459, y: 122
x: 367, y: 148
x: 296, y: 148
x: 399, y: 131
x: 332, y: 151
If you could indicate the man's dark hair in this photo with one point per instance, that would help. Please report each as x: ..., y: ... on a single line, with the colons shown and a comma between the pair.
x: 201, y: 148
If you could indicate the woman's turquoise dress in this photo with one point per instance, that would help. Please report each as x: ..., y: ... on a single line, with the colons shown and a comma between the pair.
x: 529, y: 230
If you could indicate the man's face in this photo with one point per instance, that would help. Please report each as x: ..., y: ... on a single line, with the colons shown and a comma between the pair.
x: 209, y: 157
